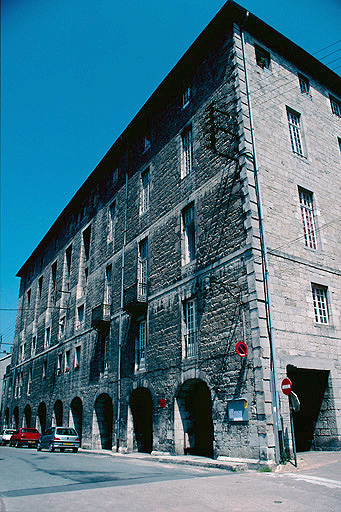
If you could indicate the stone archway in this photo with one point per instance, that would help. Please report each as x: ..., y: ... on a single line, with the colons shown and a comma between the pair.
x: 16, y: 417
x: 76, y: 416
x: 141, y: 406
x: 102, y: 423
x: 193, y: 424
x: 42, y: 417
x: 27, y: 416
x: 57, y: 417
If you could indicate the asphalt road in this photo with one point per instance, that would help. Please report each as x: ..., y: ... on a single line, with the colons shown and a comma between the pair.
x: 32, y: 481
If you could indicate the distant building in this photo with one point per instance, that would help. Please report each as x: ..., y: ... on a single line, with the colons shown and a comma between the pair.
x: 5, y: 364
x: 213, y: 219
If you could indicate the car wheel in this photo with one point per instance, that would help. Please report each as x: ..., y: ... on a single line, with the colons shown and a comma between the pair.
x: 62, y: 450
x: 51, y: 447
x: 18, y: 444
x: 38, y: 447
x: 75, y: 450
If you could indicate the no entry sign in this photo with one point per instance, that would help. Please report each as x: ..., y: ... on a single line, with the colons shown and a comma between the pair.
x: 241, y: 349
x: 286, y: 386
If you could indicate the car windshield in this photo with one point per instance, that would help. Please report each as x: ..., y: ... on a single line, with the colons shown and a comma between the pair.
x: 32, y: 430
x: 66, y: 432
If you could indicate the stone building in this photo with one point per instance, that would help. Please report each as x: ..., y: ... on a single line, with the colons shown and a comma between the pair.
x: 213, y: 219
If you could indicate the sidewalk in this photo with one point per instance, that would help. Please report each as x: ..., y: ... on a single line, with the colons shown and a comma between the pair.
x: 305, y: 460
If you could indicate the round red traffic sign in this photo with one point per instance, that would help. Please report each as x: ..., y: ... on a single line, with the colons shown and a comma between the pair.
x: 241, y: 349
x: 286, y: 386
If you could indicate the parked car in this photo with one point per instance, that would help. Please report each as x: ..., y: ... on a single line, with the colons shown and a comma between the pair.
x: 59, y: 437
x: 28, y: 436
x: 6, y: 435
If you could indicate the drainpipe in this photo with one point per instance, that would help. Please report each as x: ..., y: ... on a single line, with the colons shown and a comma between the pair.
x: 120, y: 328
x: 273, y: 366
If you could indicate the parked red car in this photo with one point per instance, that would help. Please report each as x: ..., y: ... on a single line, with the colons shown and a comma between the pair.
x: 28, y: 436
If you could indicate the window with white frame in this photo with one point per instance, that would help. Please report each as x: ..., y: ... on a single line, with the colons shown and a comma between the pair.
x: 188, y: 232
x: 186, y: 151
x: 294, y: 120
x: 144, y: 191
x: 191, y: 345
x: 335, y: 106
x: 304, y: 84
x: 67, y: 361
x: 21, y: 355
x: 77, y: 357
x: 320, y: 302
x: 308, y: 219
x: 44, y: 369
x: 59, y: 364
x: 34, y: 345
x: 61, y: 327
x: 262, y: 57
x: 80, y: 317
x: 112, y: 221
x: 142, y: 269
x: 140, y: 345
x: 29, y: 382
x: 186, y: 96
x: 47, y: 338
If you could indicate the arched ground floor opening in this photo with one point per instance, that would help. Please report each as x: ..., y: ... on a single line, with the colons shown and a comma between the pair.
x: 27, y: 416
x: 42, y: 417
x: 76, y: 416
x: 193, y: 425
x: 102, y: 423
x: 141, y: 407
x: 16, y: 417
x: 57, y: 417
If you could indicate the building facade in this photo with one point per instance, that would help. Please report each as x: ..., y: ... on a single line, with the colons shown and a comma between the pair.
x: 210, y: 221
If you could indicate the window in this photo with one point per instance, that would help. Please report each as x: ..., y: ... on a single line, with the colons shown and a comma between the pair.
x: 44, y: 370
x: 68, y: 257
x: 53, y: 283
x: 29, y: 298
x: 61, y: 327
x: 320, y: 304
x: 339, y: 141
x: 29, y: 382
x: 186, y: 152
x: 86, y: 243
x: 34, y: 345
x: 108, y: 288
x: 335, y: 105
x: 67, y: 361
x: 47, y: 338
x: 191, y: 346
x: 59, y: 364
x: 262, y: 57
x: 295, y: 132
x: 140, y: 345
x: 80, y: 317
x: 186, y: 96
x: 146, y: 142
x: 307, y: 211
x: 304, y: 84
x: 112, y: 221
x: 21, y: 355
x: 142, y: 270
x: 77, y: 357
x: 40, y: 286
x: 188, y: 229
x: 115, y: 176
x: 144, y: 191
x: 84, y: 263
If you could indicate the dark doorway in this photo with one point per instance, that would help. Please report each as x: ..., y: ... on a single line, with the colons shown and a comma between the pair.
x: 42, y: 417
x: 77, y: 416
x: 103, y: 422
x: 141, y: 406
x: 195, y: 406
x: 58, y: 413
x: 16, y: 417
x: 27, y: 416
x: 310, y: 386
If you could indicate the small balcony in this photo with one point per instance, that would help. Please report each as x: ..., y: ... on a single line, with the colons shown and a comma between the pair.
x: 135, y: 298
x: 100, y: 318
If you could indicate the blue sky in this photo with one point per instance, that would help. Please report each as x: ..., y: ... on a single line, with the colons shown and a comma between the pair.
x: 75, y: 72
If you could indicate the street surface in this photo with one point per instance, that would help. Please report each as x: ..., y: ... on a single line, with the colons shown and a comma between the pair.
x: 32, y: 481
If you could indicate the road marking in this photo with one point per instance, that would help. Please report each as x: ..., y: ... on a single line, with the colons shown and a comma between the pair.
x: 332, y: 484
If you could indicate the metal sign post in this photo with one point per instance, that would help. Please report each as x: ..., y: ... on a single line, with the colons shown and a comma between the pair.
x: 294, y: 405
